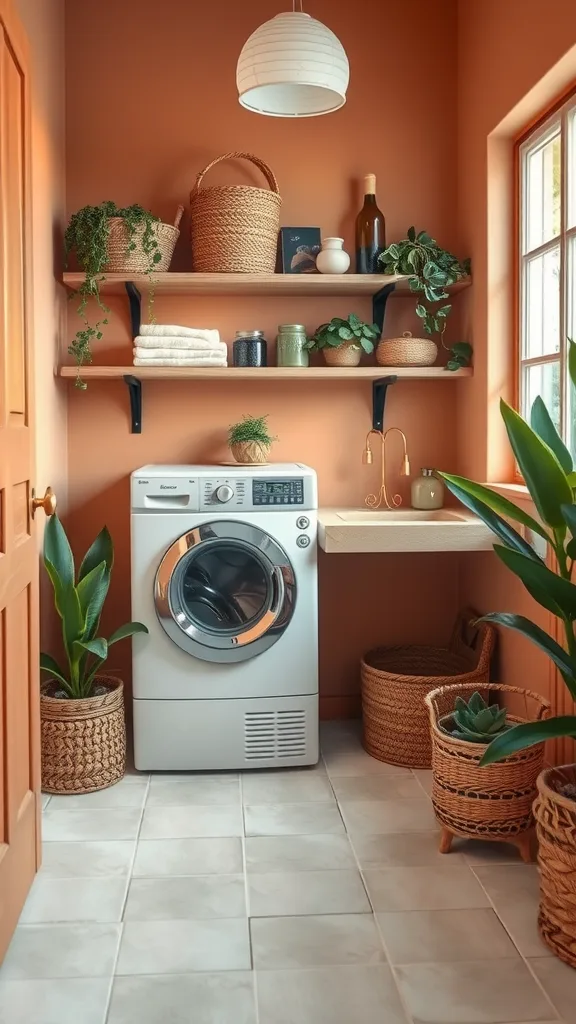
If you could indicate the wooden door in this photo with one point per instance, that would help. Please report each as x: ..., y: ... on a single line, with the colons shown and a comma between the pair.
x: 19, y: 700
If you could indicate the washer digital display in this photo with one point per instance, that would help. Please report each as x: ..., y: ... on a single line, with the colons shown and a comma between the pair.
x: 278, y: 492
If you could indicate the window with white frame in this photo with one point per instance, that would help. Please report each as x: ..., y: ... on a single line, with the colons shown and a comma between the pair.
x: 547, y: 223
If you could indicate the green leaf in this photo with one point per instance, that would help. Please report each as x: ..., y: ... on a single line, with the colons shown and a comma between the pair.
x: 537, y: 636
x: 550, y: 590
x: 462, y: 349
x: 527, y: 734
x: 569, y: 513
x: 424, y: 238
x: 495, y: 501
x: 476, y: 703
x: 443, y: 311
x: 92, y: 590
x: 421, y: 310
x: 571, y: 549
x: 544, y: 476
x: 102, y: 550
x: 541, y: 422
x: 50, y: 665
x: 499, y: 526
x: 129, y: 629
x: 57, y: 550
x: 354, y: 320
x: 453, y: 365
x: 72, y: 618
x: 411, y: 234
x: 367, y: 345
x: 345, y: 333
x: 98, y: 646
x: 572, y: 360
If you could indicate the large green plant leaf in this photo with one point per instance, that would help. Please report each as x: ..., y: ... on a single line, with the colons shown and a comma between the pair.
x: 57, y: 586
x: 92, y: 591
x: 499, y: 526
x: 544, y: 476
x: 50, y: 665
x: 496, y: 502
x: 102, y: 550
x: 539, y: 637
x: 72, y: 619
x: 541, y: 422
x: 526, y: 735
x: 550, y: 590
x: 569, y: 513
x: 129, y: 629
x: 57, y: 550
x: 572, y: 360
x: 98, y: 647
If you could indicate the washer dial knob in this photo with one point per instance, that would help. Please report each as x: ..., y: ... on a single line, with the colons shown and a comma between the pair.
x: 224, y: 493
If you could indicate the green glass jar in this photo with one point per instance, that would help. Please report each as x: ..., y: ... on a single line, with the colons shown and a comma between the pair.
x: 291, y: 345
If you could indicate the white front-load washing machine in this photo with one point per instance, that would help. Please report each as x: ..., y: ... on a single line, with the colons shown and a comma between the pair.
x: 224, y: 576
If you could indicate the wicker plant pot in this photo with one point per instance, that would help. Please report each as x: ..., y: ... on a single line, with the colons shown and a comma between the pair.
x: 492, y: 802
x: 556, y: 829
x: 120, y: 261
x: 406, y: 351
x: 250, y: 452
x: 395, y: 681
x: 83, y: 741
x: 346, y: 354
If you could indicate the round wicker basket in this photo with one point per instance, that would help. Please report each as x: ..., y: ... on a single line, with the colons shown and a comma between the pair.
x: 556, y: 829
x: 491, y: 802
x: 250, y: 452
x: 83, y: 741
x: 395, y: 681
x: 346, y: 354
x: 406, y: 351
x: 136, y: 261
x: 234, y: 228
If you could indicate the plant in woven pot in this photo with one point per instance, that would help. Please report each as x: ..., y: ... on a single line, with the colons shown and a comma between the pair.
x: 250, y: 440
x: 108, y: 238
x: 432, y: 270
x: 471, y: 800
x: 81, y: 708
x: 548, y: 469
x: 343, y: 341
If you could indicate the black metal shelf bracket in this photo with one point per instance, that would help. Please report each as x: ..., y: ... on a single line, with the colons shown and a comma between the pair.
x: 135, y: 300
x: 379, y: 388
x: 134, y: 385
x: 379, y: 301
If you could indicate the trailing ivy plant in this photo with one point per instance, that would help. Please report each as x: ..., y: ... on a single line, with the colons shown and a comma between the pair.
x: 251, y: 429
x: 432, y: 270
x: 340, y: 332
x: 87, y: 236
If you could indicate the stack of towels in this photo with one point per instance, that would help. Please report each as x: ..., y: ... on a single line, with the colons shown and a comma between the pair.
x: 170, y: 345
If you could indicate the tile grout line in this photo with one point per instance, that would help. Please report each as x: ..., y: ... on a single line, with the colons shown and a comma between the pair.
x: 247, y: 898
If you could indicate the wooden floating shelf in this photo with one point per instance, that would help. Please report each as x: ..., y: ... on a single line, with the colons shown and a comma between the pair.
x: 230, y: 373
x: 256, y: 284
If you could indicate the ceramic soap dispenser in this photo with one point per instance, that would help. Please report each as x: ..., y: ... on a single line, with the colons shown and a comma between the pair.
x: 427, y: 491
x: 332, y: 258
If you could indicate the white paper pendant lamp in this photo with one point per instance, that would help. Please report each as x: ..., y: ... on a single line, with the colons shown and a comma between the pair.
x: 292, y: 66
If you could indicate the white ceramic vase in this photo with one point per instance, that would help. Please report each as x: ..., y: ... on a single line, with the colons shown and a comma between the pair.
x: 332, y: 259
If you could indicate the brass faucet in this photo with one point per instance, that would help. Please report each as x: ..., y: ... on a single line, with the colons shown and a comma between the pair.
x: 376, y: 500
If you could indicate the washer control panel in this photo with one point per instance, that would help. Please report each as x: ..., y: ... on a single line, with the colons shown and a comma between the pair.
x: 278, y: 492
x: 278, y: 487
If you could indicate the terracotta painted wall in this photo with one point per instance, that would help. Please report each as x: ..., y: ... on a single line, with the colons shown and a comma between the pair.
x: 44, y: 24
x: 150, y: 101
x: 502, y: 86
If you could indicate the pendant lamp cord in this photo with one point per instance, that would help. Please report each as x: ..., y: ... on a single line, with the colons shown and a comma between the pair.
x: 297, y: 6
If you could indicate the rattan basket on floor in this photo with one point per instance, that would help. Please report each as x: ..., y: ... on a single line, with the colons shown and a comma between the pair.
x: 121, y: 260
x: 395, y: 681
x: 234, y: 228
x: 83, y: 741
x: 556, y: 828
x: 491, y: 802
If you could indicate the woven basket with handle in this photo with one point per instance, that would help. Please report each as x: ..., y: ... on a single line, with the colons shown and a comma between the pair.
x: 83, y: 741
x: 395, y: 681
x: 234, y: 228
x: 406, y: 351
x: 121, y: 260
x: 490, y: 802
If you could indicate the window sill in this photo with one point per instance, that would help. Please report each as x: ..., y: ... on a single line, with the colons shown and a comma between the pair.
x: 515, y: 492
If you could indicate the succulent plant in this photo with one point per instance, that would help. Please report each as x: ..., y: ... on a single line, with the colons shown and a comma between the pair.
x: 476, y: 721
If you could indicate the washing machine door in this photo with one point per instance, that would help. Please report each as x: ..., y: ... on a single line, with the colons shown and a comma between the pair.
x: 225, y: 591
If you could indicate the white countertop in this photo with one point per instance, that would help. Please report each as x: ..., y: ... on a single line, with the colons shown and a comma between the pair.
x: 361, y: 530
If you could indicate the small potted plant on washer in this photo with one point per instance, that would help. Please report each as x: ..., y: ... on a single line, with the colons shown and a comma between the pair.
x: 343, y: 341
x: 432, y: 270
x: 81, y: 709
x: 112, y: 239
x: 250, y: 440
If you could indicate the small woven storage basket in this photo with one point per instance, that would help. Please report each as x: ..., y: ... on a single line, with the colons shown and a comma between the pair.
x: 83, y: 741
x: 346, y: 354
x: 492, y: 802
x: 406, y: 351
x: 136, y: 261
x: 250, y: 452
x: 395, y: 681
x: 234, y: 228
x: 556, y: 829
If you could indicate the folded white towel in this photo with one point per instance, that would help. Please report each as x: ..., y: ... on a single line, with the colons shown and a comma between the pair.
x: 178, y: 341
x: 202, y: 361
x: 174, y: 331
x: 179, y: 353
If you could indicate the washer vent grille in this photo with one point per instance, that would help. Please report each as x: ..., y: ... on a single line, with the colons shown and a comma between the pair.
x: 274, y: 734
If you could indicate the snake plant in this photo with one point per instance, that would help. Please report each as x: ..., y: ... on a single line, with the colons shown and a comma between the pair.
x: 79, y: 599
x: 476, y: 721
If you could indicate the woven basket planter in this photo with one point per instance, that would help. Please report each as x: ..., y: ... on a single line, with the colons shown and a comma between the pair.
x: 346, y: 354
x: 556, y: 829
x: 406, y: 351
x: 121, y: 261
x: 395, y: 681
x: 251, y: 453
x: 83, y: 741
x: 234, y: 228
x: 492, y: 802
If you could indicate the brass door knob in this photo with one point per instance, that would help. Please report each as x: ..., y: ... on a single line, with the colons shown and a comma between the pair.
x: 48, y: 502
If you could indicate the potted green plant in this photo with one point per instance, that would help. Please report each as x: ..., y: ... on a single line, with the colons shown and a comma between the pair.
x: 432, y: 270
x: 548, y: 470
x: 81, y: 708
x: 250, y: 440
x: 344, y: 340
x: 108, y: 238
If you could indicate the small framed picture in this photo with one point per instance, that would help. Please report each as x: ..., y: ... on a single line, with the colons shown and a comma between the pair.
x: 298, y: 249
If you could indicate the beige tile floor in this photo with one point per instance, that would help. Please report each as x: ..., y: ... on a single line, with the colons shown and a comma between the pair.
x: 313, y: 896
